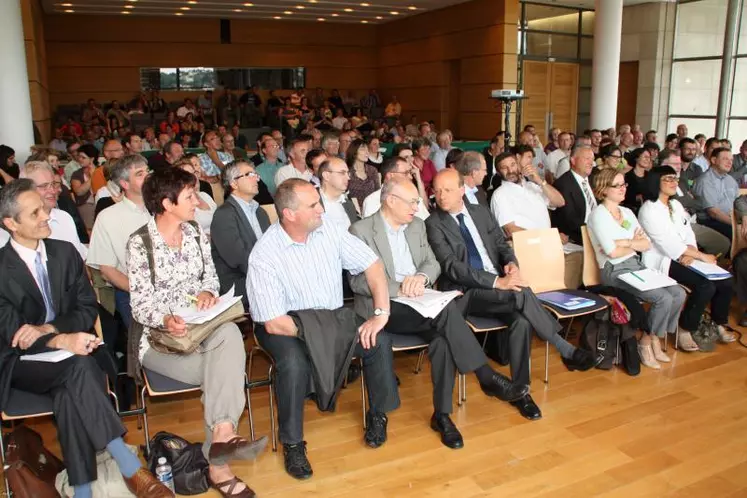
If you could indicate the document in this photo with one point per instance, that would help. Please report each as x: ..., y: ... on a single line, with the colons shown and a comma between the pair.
x: 709, y: 271
x: 431, y: 303
x: 566, y: 300
x: 647, y: 279
x: 193, y: 316
x: 49, y: 356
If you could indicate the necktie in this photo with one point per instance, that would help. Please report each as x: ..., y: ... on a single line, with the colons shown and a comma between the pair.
x: 475, y: 261
x: 46, y: 289
x: 590, y: 201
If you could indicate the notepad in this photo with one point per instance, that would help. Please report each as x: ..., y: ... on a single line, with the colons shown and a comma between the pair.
x: 709, y: 271
x: 194, y: 316
x: 647, y: 279
x: 431, y: 303
x: 566, y: 300
x: 48, y: 357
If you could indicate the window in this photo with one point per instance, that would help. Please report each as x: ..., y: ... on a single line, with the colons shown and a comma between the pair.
x: 207, y: 78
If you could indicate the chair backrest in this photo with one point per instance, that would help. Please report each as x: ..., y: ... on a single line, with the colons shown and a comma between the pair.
x: 737, y: 241
x: 541, y: 258
x: 591, y: 268
x: 271, y: 212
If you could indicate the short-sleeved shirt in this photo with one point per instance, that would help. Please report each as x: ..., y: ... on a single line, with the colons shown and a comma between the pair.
x: 716, y: 190
x: 63, y: 228
x: 112, y: 229
x: 267, y: 171
x: 209, y: 167
x: 523, y: 204
x: 604, y: 230
x: 284, y: 275
x: 289, y: 171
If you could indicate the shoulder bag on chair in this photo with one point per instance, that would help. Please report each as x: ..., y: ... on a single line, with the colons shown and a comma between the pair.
x: 162, y: 340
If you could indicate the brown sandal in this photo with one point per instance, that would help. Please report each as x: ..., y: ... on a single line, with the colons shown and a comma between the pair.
x: 231, y: 484
x: 236, y: 448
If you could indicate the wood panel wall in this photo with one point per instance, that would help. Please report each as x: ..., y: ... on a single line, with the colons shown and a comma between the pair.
x: 36, y: 65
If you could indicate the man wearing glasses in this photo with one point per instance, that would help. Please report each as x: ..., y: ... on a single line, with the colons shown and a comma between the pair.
x: 399, y: 239
x: 60, y: 223
x: 393, y: 168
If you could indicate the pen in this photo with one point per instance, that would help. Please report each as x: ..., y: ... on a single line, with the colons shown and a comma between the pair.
x: 636, y: 276
x: 191, y: 298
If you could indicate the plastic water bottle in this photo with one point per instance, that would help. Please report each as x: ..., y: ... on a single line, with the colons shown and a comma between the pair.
x: 163, y: 474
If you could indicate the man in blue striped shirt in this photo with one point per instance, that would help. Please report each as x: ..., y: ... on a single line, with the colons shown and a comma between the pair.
x: 296, y: 265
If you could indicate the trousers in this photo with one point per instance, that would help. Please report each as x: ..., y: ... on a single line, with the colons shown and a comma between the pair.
x: 218, y: 367
x: 703, y: 291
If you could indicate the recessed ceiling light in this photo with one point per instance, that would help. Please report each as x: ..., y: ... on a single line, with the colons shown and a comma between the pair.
x: 320, y: 19
x: 238, y: 10
x: 364, y: 21
x: 184, y: 8
x: 348, y: 10
x: 248, y: 4
x: 364, y: 4
x: 335, y: 14
x: 287, y: 12
x: 192, y: 2
x: 125, y: 12
x: 69, y: 11
x: 412, y: 7
x: 178, y: 13
x: 133, y: 1
x: 379, y: 18
x: 312, y: 1
x: 394, y: 13
x: 300, y: 7
x: 129, y: 6
x: 66, y: 5
x: 277, y: 17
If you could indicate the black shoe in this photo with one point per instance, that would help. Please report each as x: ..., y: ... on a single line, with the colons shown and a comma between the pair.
x: 296, y: 463
x: 582, y: 360
x: 528, y: 408
x: 375, y: 429
x: 502, y: 388
x: 743, y: 320
x: 450, y: 436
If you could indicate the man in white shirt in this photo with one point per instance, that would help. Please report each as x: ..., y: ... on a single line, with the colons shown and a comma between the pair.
x: 443, y: 146
x: 187, y: 108
x: 540, y: 160
x: 113, y: 227
x: 553, y: 159
x: 297, y: 168
x: 339, y: 119
x: 60, y: 223
x: 393, y: 167
x: 334, y: 176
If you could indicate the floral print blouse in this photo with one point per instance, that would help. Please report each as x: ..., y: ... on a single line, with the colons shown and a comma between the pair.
x: 360, y: 189
x: 178, y: 273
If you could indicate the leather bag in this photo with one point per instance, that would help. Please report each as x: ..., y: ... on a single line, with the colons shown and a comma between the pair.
x: 188, y: 465
x: 32, y: 468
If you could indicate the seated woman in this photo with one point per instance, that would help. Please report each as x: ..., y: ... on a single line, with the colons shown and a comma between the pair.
x: 80, y: 183
x: 617, y: 238
x: 183, y: 272
x: 421, y: 149
x: 640, y: 159
x: 364, y: 178
x: 674, y: 248
x: 206, y: 207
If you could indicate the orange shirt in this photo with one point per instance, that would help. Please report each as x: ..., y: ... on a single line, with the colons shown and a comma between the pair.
x: 98, y: 180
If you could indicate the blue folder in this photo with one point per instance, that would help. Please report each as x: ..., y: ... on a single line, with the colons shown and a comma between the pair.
x: 566, y: 301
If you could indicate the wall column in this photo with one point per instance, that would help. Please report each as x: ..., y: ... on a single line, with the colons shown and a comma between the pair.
x: 724, y: 95
x: 606, y: 63
x: 16, y: 122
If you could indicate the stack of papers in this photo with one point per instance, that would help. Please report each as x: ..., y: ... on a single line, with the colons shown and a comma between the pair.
x: 709, y: 271
x: 565, y: 300
x: 431, y: 303
x: 193, y: 316
x: 647, y: 279
x: 48, y: 357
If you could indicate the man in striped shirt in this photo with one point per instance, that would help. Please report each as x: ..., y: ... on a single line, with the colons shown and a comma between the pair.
x: 296, y: 265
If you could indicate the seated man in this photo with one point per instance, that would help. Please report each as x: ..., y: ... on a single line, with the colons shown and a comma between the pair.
x: 477, y: 261
x: 716, y: 191
x: 473, y: 169
x: 38, y: 317
x: 334, y: 177
x: 237, y: 226
x: 296, y: 265
x: 396, y: 167
x: 399, y: 239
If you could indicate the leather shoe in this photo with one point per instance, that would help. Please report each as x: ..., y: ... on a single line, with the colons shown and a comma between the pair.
x: 502, y: 388
x: 143, y: 484
x: 528, y: 408
x: 296, y: 463
x: 375, y: 434
x: 450, y: 436
x: 582, y: 360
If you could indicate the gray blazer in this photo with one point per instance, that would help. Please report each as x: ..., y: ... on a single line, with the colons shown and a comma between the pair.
x: 372, y: 231
x: 231, y: 241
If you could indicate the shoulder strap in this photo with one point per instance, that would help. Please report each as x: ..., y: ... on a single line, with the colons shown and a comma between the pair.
x: 144, y: 235
x: 196, y: 226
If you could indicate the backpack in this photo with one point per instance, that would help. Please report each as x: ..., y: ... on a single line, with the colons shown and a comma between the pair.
x: 188, y: 465
x: 601, y: 336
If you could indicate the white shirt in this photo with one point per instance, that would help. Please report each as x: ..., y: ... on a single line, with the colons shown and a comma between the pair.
x: 553, y: 160
x: 4, y: 237
x: 63, y: 228
x: 110, y: 234
x: 438, y: 156
x: 335, y: 210
x: 604, y: 230
x: 470, y: 193
x: 670, y: 235
x: 101, y: 193
x: 372, y: 204
x: 540, y: 160
x: 702, y: 162
x: 289, y: 171
x: 205, y: 216
x: 339, y: 122
x: 564, y: 166
x: 28, y: 256
x: 472, y: 228
x: 404, y: 265
x: 590, y: 203
x: 523, y: 204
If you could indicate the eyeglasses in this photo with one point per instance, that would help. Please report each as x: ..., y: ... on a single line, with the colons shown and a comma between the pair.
x: 49, y: 186
x: 615, y: 156
x: 406, y: 172
x: 250, y: 174
x: 619, y: 185
x: 411, y: 202
x: 343, y: 173
x: 669, y: 179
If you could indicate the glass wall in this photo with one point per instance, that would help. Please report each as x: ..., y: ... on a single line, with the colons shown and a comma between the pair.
x: 696, y: 70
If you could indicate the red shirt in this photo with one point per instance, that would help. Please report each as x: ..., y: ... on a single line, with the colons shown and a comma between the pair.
x: 164, y: 127
x: 427, y: 174
x: 68, y: 128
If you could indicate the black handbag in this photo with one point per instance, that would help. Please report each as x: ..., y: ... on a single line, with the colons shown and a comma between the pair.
x: 188, y: 465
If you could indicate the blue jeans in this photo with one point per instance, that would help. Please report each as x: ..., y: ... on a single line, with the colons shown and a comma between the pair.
x: 122, y: 305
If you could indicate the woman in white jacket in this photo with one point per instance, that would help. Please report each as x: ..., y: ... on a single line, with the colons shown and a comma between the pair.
x: 673, y: 251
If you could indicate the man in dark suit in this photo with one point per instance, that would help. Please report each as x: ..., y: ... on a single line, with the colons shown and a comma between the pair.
x: 476, y: 260
x: 491, y: 153
x: 47, y: 304
x: 474, y: 170
x: 237, y: 225
x: 577, y: 191
x: 398, y: 238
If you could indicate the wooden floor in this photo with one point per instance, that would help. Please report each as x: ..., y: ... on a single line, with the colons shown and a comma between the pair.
x: 678, y: 432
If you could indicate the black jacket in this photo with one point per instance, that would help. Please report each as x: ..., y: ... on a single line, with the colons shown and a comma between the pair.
x: 570, y: 218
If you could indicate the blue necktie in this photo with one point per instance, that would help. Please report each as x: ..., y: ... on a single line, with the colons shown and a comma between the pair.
x: 46, y: 289
x: 475, y: 261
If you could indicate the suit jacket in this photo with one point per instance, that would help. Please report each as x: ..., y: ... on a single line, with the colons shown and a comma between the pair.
x: 231, y: 241
x: 350, y: 210
x: 451, y: 251
x: 486, y: 182
x: 372, y: 231
x: 482, y: 198
x: 570, y: 218
x: 21, y: 302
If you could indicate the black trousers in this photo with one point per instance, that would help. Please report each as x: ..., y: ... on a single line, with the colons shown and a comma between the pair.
x: 452, y: 346
x: 293, y: 378
x: 721, y: 227
x: 522, y: 312
x: 704, y: 291
x: 86, y: 421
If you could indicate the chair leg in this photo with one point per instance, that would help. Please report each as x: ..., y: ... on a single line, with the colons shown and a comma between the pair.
x: 271, y: 376
x: 5, y: 467
x: 547, y: 362
x: 363, y: 396
x: 485, y: 340
x: 145, y: 422
x: 420, y: 361
x: 249, y: 396
x: 464, y: 387
x: 459, y: 389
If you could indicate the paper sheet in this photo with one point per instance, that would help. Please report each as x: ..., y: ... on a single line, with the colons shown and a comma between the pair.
x: 49, y: 356
x: 710, y: 271
x: 431, y: 303
x: 647, y: 279
x: 195, y: 317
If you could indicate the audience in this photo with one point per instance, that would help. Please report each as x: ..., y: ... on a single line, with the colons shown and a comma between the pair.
x: 716, y: 192
x: 395, y: 167
x: 334, y: 178
x: 297, y: 168
x: 206, y: 206
x: 640, y: 160
x: 364, y: 178
x: 563, y: 150
x: 421, y: 149
x: 473, y: 169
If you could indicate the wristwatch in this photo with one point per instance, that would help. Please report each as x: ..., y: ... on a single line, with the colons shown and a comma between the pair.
x: 381, y: 311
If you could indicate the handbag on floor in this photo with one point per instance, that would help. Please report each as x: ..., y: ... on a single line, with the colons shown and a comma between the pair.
x: 188, y: 465
x: 31, y: 468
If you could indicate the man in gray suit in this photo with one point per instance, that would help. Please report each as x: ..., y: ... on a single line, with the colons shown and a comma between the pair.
x: 477, y: 261
x: 237, y: 225
x: 399, y: 239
